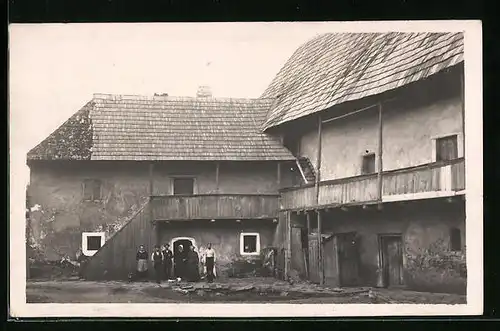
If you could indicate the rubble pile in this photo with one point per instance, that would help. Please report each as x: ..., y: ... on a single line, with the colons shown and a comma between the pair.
x: 62, y: 269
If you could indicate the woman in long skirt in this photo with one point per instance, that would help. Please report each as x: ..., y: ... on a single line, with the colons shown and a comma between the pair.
x: 193, y: 265
x: 180, y: 263
x: 142, y: 262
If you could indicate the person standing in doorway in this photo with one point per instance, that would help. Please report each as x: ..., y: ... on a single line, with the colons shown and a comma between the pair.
x: 193, y: 265
x: 210, y: 262
x: 157, y: 259
x: 142, y: 262
x: 180, y: 263
x: 167, y: 261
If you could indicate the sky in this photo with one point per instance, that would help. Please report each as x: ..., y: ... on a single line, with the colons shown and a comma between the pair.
x: 56, y: 68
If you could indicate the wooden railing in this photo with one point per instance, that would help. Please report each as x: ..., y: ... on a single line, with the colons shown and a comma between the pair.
x: 215, y: 206
x: 434, y: 177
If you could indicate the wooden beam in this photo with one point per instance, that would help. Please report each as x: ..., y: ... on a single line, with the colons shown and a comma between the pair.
x: 308, y: 222
x: 278, y: 168
x: 380, y: 151
x: 320, y: 251
x: 288, y: 256
x: 356, y: 111
x: 217, y: 176
x: 318, y: 160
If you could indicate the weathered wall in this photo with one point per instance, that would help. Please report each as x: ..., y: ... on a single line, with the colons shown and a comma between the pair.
x: 224, y: 235
x: 425, y: 228
x: 60, y: 215
x: 117, y: 258
x: 409, y: 124
x: 279, y: 234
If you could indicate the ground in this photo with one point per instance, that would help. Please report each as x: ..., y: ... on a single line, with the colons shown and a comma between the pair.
x: 243, y: 290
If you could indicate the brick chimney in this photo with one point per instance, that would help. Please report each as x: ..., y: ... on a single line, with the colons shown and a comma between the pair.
x: 204, y: 92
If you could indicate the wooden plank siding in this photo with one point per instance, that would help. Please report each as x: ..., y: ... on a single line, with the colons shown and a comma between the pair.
x: 216, y: 206
x: 412, y: 181
x: 458, y: 176
x: 298, y: 197
x: 353, y: 190
x: 425, y: 178
x: 116, y: 258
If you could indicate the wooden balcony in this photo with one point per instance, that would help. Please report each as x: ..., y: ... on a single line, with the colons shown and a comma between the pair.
x: 420, y: 182
x: 215, y: 206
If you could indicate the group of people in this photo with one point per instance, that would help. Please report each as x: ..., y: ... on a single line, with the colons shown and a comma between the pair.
x: 186, y: 264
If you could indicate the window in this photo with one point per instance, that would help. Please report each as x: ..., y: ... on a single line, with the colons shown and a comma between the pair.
x: 446, y: 148
x: 183, y: 186
x: 368, y: 166
x: 92, y: 242
x: 249, y: 244
x: 92, y: 189
x: 455, y: 240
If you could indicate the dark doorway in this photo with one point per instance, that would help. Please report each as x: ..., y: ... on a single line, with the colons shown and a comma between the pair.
x: 180, y: 267
x: 348, y: 259
x: 391, y: 255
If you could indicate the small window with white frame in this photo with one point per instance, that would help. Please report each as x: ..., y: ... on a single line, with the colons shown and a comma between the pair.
x: 92, y: 242
x: 249, y: 243
x: 447, y: 147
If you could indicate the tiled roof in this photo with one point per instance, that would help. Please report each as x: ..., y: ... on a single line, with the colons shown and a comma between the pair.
x: 113, y: 127
x: 338, y: 67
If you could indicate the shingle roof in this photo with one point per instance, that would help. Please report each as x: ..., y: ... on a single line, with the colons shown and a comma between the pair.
x: 337, y: 67
x: 113, y: 127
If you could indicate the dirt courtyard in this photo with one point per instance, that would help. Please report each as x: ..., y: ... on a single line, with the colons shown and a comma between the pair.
x: 246, y: 290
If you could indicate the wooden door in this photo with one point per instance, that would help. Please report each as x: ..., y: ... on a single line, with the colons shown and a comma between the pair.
x: 330, y: 257
x: 347, y: 251
x: 392, y: 260
x: 313, y: 260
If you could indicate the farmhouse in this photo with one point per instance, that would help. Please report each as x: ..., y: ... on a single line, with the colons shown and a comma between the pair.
x: 130, y: 170
x: 381, y: 119
x: 351, y: 164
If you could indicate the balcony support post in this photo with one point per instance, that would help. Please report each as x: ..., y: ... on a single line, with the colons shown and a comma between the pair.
x: 320, y: 250
x: 380, y: 151
x: 318, y: 178
x: 288, y: 240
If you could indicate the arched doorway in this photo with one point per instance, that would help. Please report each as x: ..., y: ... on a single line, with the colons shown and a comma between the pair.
x: 186, y: 242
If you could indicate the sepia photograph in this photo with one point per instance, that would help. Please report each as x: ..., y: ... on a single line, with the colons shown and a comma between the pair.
x: 245, y: 169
